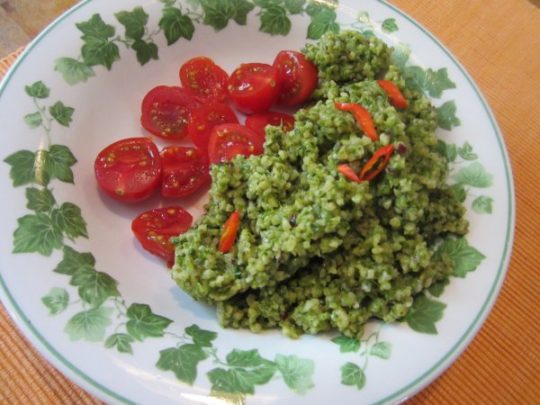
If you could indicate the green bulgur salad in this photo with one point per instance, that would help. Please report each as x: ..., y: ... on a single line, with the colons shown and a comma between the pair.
x: 316, y: 251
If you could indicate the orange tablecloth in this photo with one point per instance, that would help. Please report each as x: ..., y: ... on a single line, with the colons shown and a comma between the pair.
x: 499, y: 44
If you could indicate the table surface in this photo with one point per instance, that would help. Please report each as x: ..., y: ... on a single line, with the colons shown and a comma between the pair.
x: 499, y: 45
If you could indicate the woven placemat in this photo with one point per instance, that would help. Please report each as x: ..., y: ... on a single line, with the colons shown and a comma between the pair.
x: 499, y: 45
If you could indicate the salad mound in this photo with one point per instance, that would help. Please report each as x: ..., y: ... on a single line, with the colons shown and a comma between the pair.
x: 317, y: 250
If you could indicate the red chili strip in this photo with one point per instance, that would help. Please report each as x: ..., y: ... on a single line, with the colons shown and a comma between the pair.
x: 377, y: 163
x: 396, y: 97
x: 348, y: 172
x: 228, y: 235
x: 362, y: 116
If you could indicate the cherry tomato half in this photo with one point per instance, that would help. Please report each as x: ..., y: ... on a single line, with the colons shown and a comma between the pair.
x: 230, y: 140
x: 204, y: 79
x: 185, y: 170
x: 297, y: 77
x: 166, y: 111
x: 154, y: 228
x: 129, y: 170
x: 253, y: 87
x: 204, y: 118
x: 258, y: 122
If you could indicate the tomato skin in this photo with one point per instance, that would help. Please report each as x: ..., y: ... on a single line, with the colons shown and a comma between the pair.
x: 166, y: 111
x: 230, y: 140
x: 154, y: 228
x: 297, y: 77
x: 129, y: 170
x: 253, y: 87
x: 204, y: 79
x: 185, y: 170
x: 204, y: 118
x: 258, y: 122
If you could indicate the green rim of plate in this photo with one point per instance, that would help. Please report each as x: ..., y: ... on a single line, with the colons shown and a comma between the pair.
x: 410, y: 389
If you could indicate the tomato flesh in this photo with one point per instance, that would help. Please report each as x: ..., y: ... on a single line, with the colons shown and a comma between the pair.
x: 129, y: 170
x: 228, y: 234
x: 185, y: 170
x: 258, y: 122
x: 230, y: 140
x: 253, y: 87
x: 154, y: 228
x: 297, y: 77
x: 166, y: 111
x: 204, y: 118
x: 204, y: 79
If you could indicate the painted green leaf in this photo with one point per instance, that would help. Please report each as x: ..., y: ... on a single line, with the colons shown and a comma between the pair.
x: 438, y: 288
x: 144, y: 323
x: 89, y: 325
x: 389, y: 25
x: 94, y: 287
x: 121, y: 341
x: 22, y: 167
x: 483, y: 205
x: 95, y: 27
x: 400, y: 55
x: 433, y: 82
x: 61, y: 113
x: 466, y: 152
x: 322, y: 22
x: 458, y: 191
x: 56, y: 300
x: 217, y: 13
x: 424, y: 314
x: 200, y: 336
x: 449, y: 150
x: 296, y: 372
x: 381, y: 349
x: 240, y: 380
x: 74, y: 261
x: 464, y: 257
x: 241, y: 10
x: 170, y: 3
x: 72, y: 70
x: 176, y: 25
x: 353, y: 375
x: 33, y: 120
x: 363, y: 17
x: 295, y: 6
x: 347, y: 344
x: 244, y: 358
x: 37, y: 90
x: 446, y: 115
x: 133, y: 21
x: 274, y: 21
x: 474, y: 175
x: 145, y: 51
x: 37, y: 234
x: 98, y: 51
x: 69, y: 219
x: 39, y: 200
x: 182, y: 361
x: 59, y: 162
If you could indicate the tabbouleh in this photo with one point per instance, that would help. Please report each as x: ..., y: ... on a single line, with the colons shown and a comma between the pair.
x: 317, y: 252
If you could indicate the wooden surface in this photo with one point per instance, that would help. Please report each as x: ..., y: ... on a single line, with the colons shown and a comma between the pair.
x: 498, y: 42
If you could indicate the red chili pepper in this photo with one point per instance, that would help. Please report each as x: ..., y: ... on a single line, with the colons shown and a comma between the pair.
x: 396, y: 97
x: 362, y: 116
x: 377, y: 163
x: 228, y: 235
x: 348, y: 172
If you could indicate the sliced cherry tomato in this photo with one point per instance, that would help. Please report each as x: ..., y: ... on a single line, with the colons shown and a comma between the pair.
x: 154, y: 228
x: 166, y: 111
x: 253, y: 87
x: 204, y: 79
x: 204, y: 118
x: 185, y: 170
x: 230, y: 140
x: 129, y: 170
x: 228, y: 235
x: 258, y: 122
x: 396, y: 97
x: 297, y: 77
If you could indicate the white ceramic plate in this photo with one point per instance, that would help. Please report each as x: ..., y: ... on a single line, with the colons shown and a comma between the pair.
x: 108, y: 315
